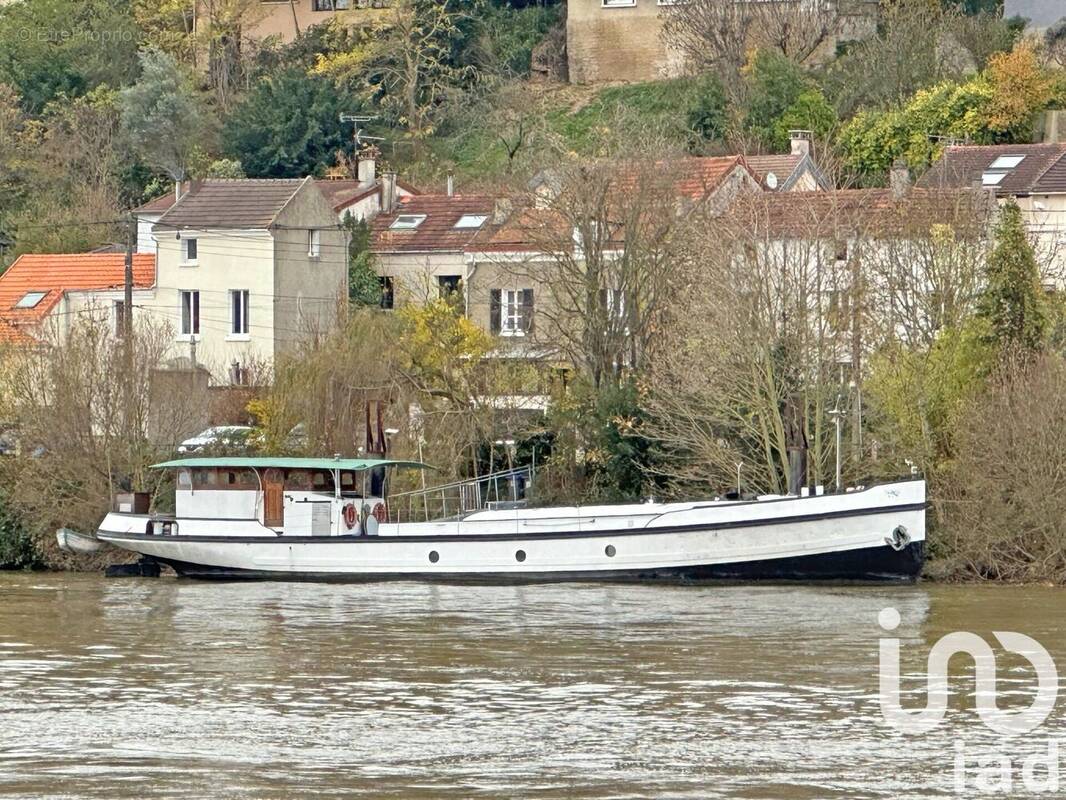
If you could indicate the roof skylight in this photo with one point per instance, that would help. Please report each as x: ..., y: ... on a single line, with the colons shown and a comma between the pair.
x: 1006, y: 162
x: 992, y: 178
x: 471, y: 220
x: 30, y: 299
x: 407, y: 222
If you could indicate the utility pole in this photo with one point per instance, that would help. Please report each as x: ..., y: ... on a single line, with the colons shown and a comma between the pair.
x: 127, y: 299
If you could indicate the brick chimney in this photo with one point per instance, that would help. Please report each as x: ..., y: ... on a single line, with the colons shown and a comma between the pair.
x: 450, y: 184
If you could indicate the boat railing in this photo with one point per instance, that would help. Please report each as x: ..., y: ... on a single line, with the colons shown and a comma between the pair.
x: 504, y: 489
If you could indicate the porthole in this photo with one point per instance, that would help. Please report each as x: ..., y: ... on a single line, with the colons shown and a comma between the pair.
x: 610, y: 551
x: 434, y: 556
x: 520, y: 555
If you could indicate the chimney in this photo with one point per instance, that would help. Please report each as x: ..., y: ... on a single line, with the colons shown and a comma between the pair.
x: 367, y: 168
x: 501, y: 210
x: 800, y: 142
x: 388, y: 192
x: 899, y: 178
x: 450, y: 186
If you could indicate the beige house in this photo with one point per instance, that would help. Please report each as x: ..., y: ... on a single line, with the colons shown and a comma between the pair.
x: 1033, y: 175
x: 430, y: 245
x: 284, y: 20
x: 247, y: 269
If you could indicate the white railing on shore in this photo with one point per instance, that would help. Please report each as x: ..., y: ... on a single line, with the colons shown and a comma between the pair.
x: 506, y: 488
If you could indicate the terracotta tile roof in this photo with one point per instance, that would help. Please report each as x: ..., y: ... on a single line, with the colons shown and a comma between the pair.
x: 700, y: 176
x: 846, y: 213
x: 232, y: 203
x: 56, y: 273
x: 9, y: 334
x: 437, y: 232
x: 962, y: 167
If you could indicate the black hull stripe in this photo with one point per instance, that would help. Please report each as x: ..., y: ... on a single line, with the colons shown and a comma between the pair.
x: 508, y: 537
x: 867, y: 565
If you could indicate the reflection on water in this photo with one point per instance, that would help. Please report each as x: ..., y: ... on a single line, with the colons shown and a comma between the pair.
x: 141, y: 688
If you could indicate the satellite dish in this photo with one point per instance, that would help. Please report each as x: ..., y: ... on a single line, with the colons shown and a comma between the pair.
x: 771, y: 180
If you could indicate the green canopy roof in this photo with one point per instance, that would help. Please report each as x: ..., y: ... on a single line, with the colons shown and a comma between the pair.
x: 291, y: 463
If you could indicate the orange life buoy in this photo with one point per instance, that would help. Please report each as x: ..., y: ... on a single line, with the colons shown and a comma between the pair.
x: 351, y: 516
x: 379, y: 512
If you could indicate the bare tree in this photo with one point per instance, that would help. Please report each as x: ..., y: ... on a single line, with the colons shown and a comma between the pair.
x: 716, y: 35
x: 90, y: 420
x: 604, y: 238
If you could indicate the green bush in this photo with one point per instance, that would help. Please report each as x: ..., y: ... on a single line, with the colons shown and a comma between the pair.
x: 16, y: 543
x: 510, y: 34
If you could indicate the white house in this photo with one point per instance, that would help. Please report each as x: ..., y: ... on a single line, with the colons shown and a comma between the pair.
x: 1033, y: 175
x: 247, y: 269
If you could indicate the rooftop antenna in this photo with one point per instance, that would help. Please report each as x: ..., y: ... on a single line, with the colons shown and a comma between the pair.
x: 359, y: 134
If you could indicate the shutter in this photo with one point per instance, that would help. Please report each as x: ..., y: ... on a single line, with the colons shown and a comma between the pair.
x: 495, y: 304
x: 527, y: 310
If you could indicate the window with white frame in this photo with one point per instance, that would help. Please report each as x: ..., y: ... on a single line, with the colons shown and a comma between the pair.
x: 471, y: 221
x: 1006, y: 162
x: 190, y: 313
x: 314, y: 243
x: 407, y: 222
x: 511, y: 312
x: 511, y: 316
x: 30, y: 299
x: 239, y: 302
x: 618, y: 3
x: 188, y: 250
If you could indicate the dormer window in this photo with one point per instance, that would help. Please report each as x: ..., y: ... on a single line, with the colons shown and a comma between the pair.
x: 1006, y: 162
x: 407, y: 222
x: 30, y: 299
x: 471, y: 221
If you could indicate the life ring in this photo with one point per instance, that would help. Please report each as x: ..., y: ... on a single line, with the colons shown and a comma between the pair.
x: 351, y: 516
x: 380, y: 514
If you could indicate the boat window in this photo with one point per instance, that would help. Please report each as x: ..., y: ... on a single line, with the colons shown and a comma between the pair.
x: 204, y: 478
x: 351, y: 484
x: 321, y: 482
x: 238, y: 479
x: 298, y: 480
x: 184, y: 480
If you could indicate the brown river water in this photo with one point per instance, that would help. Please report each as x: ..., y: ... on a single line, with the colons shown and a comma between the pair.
x: 141, y: 688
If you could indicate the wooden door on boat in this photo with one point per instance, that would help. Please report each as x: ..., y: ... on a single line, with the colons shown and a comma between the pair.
x: 273, y: 498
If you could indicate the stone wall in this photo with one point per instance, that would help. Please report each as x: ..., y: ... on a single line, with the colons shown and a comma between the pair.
x: 611, y: 42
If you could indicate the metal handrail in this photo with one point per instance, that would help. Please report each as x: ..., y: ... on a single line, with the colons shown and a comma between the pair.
x: 461, y: 497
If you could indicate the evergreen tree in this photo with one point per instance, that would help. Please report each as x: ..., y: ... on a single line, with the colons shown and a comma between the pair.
x: 1012, y: 304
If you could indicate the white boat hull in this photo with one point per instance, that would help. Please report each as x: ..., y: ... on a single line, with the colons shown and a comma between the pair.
x: 875, y: 534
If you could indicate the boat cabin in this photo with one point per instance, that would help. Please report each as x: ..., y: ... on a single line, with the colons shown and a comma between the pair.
x: 295, y: 496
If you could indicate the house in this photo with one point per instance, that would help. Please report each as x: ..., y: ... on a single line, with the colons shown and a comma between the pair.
x: 420, y: 245
x: 888, y: 242
x: 430, y: 245
x: 608, y: 41
x: 794, y: 171
x: 284, y: 20
x: 1033, y: 175
x: 247, y: 269
x: 358, y: 196
x: 361, y: 196
x: 42, y: 294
